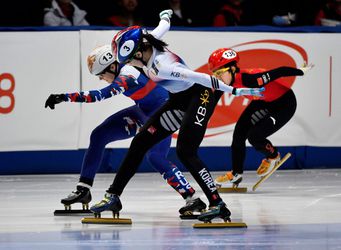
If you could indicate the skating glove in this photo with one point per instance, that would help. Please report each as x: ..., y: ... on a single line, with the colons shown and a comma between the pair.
x: 53, y: 100
x: 166, y: 14
x: 306, y: 67
x: 248, y: 91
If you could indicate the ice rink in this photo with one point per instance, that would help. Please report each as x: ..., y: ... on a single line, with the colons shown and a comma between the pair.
x: 298, y: 209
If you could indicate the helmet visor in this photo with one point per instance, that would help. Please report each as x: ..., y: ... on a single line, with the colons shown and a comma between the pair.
x: 109, y: 69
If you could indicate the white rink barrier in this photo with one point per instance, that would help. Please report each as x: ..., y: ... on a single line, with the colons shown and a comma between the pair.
x: 35, y: 64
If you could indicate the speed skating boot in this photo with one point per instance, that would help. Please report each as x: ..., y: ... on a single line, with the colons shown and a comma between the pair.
x: 218, y: 211
x: 81, y: 195
x: 268, y: 164
x: 110, y: 202
x: 229, y: 177
x: 192, y: 205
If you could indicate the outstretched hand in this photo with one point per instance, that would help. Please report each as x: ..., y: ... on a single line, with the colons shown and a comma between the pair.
x: 52, y: 100
x: 166, y: 14
x: 250, y: 91
x: 306, y: 67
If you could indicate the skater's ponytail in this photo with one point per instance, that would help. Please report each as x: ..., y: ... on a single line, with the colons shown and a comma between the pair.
x: 150, y: 40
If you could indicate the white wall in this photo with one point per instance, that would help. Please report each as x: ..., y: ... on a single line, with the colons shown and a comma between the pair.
x: 55, y: 62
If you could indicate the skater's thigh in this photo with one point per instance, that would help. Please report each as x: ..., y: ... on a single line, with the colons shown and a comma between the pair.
x: 123, y: 124
x: 157, y: 129
x: 283, y: 110
x: 197, y: 115
x: 244, y: 123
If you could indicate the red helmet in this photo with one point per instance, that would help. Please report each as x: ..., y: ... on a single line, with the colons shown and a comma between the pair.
x: 221, y: 57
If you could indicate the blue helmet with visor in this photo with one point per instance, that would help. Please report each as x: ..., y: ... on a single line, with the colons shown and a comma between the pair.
x: 128, y: 44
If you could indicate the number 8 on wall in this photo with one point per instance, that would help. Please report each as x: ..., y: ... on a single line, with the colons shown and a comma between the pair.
x: 7, y: 93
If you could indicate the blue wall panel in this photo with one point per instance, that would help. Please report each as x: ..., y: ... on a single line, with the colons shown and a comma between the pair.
x: 216, y: 158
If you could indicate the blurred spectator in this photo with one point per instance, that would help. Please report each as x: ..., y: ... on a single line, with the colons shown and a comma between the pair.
x: 204, y: 12
x: 286, y: 20
x: 127, y: 14
x: 258, y: 12
x: 97, y: 12
x: 285, y: 13
x: 64, y: 13
x: 307, y: 11
x: 22, y: 13
x: 187, y: 13
x: 330, y: 14
x: 295, y: 13
x: 229, y: 13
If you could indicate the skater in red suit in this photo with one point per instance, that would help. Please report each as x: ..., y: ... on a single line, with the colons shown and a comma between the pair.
x: 262, y: 117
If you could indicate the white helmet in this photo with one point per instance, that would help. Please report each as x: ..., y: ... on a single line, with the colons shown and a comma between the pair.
x: 100, y: 59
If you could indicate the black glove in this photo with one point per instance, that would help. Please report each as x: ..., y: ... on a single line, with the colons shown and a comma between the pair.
x: 53, y: 100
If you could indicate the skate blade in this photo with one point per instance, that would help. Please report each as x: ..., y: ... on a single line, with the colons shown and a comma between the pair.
x: 263, y: 178
x: 220, y: 225
x: 189, y: 216
x: 65, y: 212
x: 87, y: 220
x: 232, y: 190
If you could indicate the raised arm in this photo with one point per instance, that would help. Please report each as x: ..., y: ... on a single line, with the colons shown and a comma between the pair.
x: 164, y: 24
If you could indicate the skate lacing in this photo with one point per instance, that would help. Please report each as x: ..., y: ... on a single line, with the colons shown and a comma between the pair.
x: 190, y: 201
x: 109, y: 202
x: 105, y: 200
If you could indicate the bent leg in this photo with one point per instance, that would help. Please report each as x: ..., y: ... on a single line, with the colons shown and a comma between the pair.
x: 151, y: 134
x: 279, y: 113
x: 119, y: 126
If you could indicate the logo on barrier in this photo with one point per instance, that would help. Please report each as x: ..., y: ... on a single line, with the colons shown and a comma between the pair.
x: 7, y: 99
x: 266, y: 54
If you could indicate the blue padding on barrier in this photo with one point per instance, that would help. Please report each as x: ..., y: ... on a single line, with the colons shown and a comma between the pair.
x: 216, y: 158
